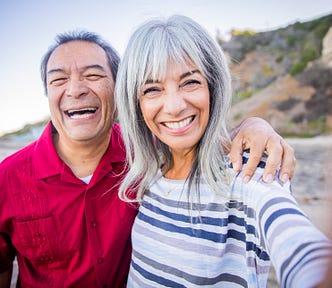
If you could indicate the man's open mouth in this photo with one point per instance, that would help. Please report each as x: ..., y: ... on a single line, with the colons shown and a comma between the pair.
x: 81, y: 113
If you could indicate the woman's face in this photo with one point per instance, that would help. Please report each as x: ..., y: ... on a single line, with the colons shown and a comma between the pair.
x: 176, y: 109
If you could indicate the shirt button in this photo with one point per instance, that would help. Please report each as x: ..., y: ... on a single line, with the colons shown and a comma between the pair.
x: 93, y: 224
x: 100, y: 260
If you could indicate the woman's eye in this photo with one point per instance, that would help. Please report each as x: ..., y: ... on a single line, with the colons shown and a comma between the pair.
x: 150, y: 90
x: 192, y: 82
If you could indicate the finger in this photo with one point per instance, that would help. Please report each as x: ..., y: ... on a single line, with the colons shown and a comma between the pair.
x: 275, y: 153
x: 236, y: 153
x: 288, y: 162
x: 255, y: 156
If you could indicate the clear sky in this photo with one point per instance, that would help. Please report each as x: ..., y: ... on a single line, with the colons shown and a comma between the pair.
x: 28, y: 27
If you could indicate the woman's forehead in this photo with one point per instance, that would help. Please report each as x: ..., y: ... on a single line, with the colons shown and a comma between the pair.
x: 170, y: 66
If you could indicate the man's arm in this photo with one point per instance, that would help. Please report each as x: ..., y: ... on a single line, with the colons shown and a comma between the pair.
x: 5, y: 278
x: 258, y: 135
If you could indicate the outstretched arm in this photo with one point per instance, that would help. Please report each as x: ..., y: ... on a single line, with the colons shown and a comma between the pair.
x: 258, y: 135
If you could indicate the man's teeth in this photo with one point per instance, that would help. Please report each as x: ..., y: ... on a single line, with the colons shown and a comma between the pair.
x: 177, y: 125
x: 80, y: 113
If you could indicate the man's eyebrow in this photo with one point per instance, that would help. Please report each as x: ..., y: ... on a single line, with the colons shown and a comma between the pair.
x: 184, y: 75
x: 55, y: 70
x: 94, y: 66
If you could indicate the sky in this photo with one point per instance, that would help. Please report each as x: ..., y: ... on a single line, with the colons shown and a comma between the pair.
x: 28, y: 28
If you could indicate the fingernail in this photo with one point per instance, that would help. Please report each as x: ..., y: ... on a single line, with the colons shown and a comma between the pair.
x: 284, y: 177
x: 236, y: 166
x: 246, y: 179
x: 268, y: 178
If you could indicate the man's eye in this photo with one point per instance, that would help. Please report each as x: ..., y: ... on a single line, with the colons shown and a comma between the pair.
x: 94, y: 77
x: 58, y: 81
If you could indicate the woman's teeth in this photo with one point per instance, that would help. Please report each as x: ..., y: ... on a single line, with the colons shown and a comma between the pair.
x: 180, y: 124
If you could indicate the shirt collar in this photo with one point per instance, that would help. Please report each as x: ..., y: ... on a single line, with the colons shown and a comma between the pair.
x: 48, y: 163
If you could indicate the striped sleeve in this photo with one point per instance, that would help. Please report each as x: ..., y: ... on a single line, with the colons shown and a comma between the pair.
x: 298, y: 250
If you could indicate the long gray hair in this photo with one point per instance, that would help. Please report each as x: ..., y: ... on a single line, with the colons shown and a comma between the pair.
x: 150, y: 49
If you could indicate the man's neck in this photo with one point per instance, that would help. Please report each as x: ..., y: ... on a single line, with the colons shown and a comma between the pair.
x: 82, y: 157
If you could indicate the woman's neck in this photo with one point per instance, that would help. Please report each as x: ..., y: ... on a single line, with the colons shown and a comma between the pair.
x: 182, y: 164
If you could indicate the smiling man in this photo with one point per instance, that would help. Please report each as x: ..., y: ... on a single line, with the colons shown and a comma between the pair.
x: 79, y: 84
x: 60, y: 213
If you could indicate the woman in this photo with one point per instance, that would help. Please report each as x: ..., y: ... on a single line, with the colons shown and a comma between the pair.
x: 198, y: 224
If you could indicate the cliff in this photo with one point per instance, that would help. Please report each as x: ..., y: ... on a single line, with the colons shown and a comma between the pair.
x: 284, y: 76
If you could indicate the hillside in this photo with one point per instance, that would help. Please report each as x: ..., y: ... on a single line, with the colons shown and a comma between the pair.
x: 284, y: 76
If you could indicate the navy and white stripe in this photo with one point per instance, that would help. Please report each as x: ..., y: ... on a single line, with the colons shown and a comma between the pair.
x: 226, y: 242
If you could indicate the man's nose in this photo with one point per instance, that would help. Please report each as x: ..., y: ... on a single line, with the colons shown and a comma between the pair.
x: 76, y: 88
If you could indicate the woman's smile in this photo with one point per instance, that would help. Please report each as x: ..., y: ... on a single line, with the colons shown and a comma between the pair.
x: 176, y: 126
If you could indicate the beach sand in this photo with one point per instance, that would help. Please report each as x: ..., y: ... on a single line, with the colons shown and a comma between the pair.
x: 312, y: 182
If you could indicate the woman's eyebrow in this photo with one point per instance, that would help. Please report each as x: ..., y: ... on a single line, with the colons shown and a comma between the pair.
x: 184, y: 75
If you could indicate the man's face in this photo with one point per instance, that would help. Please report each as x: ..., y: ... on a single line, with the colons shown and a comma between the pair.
x: 80, y: 91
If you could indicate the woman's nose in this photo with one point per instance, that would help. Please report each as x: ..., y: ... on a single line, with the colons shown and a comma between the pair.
x: 174, y: 103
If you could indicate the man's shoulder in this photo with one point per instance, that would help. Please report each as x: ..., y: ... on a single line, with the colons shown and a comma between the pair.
x: 261, y: 164
x: 24, y: 155
x: 19, y: 156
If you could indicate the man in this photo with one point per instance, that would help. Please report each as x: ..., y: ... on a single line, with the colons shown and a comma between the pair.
x: 59, y: 208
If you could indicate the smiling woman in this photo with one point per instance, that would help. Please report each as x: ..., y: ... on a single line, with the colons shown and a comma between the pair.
x: 173, y: 93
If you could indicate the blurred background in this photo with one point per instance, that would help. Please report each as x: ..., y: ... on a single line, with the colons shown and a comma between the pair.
x: 269, y: 43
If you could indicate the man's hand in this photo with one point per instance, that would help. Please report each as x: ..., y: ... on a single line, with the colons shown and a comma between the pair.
x: 258, y: 135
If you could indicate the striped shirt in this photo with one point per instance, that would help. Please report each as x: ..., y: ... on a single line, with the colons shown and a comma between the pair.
x: 227, y: 240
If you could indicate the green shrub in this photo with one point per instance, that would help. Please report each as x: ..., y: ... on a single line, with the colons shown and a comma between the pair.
x: 309, y: 53
x: 297, y: 68
x: 279, y: 58
x: 245, y: 94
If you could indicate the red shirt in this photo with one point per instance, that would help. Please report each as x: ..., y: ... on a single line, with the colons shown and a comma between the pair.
x: 65, y: 233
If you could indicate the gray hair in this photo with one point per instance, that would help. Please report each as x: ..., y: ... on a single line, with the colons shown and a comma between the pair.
x: 149, y: 51
x: 80, y: 35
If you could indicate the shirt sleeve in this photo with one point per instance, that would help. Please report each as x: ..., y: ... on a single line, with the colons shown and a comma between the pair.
x: 298, y: 250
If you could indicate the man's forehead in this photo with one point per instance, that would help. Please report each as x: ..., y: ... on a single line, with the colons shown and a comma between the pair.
x: 78, y: 54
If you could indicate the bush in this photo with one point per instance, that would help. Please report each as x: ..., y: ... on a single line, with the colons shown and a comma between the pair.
x: 309, y: 53
x: 297, y: 68
x: 280, y: 58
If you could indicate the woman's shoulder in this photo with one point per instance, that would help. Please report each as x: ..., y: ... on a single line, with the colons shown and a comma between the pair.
x: 256, y: 187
